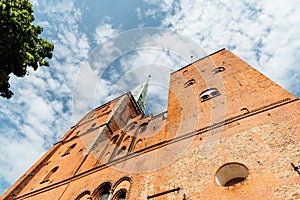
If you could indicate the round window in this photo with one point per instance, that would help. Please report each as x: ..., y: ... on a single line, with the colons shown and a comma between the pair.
x: 231, y: 174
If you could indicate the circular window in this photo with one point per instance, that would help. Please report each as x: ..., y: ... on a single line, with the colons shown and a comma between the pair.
x: 231, y: 174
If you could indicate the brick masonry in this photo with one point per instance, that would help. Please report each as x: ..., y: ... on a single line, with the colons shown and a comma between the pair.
x: 176, y: 155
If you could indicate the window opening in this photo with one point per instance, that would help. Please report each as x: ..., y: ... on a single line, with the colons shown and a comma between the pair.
x: 130, y: 127
x: 190, y: 82
x: 115, y: 139
x: 69, y: 149
x: 103, y: 192
x: 143, y: 127
x: 231, y: 174
x: 208, y: 94
x: 218, y: 70
x: 47, y: 178
x: 121, y: 150
x: 127, y: 138
x: 120, y: 195
x: 105, y: 109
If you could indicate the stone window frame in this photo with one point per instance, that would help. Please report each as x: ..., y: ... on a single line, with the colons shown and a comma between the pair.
x: 209, y: 94
x: 117, y: 195
x: 231, y: 174
x: 189, y: 83
x: 218, y: 70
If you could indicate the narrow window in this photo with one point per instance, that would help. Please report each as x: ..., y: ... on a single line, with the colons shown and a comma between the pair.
x: 143, y: 127
x: 121, y: 150
x: 130, y: 127
x: 218, y: 70
x: 190, y: 82
x: 105, y: 193
x: 49, y: 174
x: 115, y: 139
x: 92, y: 127
x: 208, y: 94
x: 127, y: 138
x: 69, y: 149
x: 105, y: 109
x: 137, y: 144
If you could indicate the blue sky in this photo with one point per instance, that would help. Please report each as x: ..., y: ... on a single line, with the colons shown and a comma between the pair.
x: 48, y: 101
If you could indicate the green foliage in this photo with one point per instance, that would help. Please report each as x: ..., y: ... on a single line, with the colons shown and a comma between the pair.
x: 20, y: 46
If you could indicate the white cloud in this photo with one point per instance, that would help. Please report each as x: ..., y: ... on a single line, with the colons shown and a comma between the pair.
x: 165, y: 5
x: 14, y: 157
x: 155, y: 54
x: 104, y: 33
x: 150, y: 13
x: 28, y: 120
x: 264, y: 33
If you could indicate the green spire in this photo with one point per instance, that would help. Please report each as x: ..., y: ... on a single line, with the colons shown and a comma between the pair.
x: 140, y: 94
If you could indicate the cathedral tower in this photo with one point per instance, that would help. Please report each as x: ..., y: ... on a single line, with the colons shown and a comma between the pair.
x: 228, y: 133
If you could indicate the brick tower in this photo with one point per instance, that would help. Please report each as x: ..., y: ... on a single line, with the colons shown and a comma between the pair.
x: 228, y: 133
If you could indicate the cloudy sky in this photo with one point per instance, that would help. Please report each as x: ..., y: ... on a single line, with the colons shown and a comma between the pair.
x: 105, y: 48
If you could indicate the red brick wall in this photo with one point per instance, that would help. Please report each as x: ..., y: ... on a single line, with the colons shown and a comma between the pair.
x: 253, y: 121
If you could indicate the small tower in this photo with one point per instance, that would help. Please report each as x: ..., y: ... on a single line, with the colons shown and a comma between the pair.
x: 140, y: 94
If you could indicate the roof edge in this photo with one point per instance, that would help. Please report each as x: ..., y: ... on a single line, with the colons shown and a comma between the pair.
x: 199, y: 60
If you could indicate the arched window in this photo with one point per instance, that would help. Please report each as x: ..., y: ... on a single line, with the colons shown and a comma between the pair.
x: 138, y: 143
x: 104, y: 195
x: 86, y: 195
x: 190, y: 82
x: 121, y: 188
x: 69, y: 149
x: 218, y: 70
x: 127, y: 138
x: 130, y: 127
x: 120, y: 195
x: 47, y: 178
x: 143, y: 127
x: 115, y: 139
x: 102, y: 192
x: 208, y: 94
x: 121, y: 150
